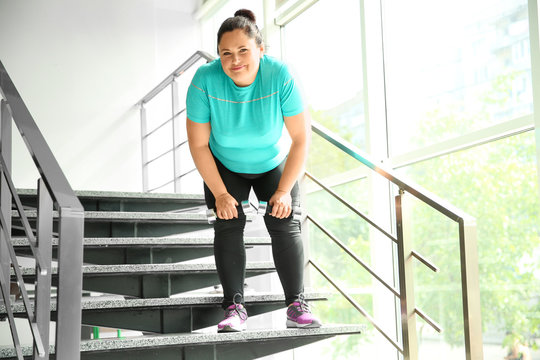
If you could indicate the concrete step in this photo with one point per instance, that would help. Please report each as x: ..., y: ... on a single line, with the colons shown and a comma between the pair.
x: 128, y: 224
x: 125, y: 201
x: 183, y: 313
x: 150, y: 280
x: 247, y: 345
x: 142, y: 250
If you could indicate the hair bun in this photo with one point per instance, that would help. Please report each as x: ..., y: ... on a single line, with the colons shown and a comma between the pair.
x: 247, y: 14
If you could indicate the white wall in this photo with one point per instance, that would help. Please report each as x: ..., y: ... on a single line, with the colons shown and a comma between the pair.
x: 81, y: 66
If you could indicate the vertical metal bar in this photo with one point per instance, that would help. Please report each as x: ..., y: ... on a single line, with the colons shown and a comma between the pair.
x: 70, y: 257
x: 43, y: 282
x: 144, y: 148
x: 534, y: 38
x: 470, y: 290
x: 175, y: 140
x: 406, y: 276
x: 5, y: 194
x: 11, y: 319
x: 305, y: 230
x: 271, y: 31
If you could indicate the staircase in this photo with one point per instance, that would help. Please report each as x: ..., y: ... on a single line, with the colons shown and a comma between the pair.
x: 148, y: 268
x: 145, y: 264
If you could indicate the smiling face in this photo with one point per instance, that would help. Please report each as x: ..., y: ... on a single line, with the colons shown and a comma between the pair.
x: 240, y: 56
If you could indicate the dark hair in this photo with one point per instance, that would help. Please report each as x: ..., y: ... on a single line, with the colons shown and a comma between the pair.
x: 243, y: 19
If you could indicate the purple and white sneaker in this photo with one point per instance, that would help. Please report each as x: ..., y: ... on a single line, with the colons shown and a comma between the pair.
x: 299, y: 316
x: 235, y: 319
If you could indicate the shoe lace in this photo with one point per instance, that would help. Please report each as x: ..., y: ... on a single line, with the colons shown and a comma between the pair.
x: 303, y: 305
x: 237, y: 311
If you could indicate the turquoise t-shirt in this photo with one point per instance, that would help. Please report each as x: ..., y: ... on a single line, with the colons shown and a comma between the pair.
x: 248, y: 134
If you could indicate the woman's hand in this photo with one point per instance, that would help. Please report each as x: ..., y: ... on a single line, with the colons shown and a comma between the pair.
x: 281, y: 204
x: 226, y: 207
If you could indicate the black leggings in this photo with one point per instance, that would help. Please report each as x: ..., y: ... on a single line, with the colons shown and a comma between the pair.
x: 229, y: 250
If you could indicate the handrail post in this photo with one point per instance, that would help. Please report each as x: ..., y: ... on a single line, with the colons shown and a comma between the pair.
x: 70, y: 258
x: 43, y: 282
x: 406, y: 276
x: 144, y: 147
x: 470, y: 289
x: 175, y: 138
x: 5, y: 195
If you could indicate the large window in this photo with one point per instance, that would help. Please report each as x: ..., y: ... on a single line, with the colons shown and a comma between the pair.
x: 452, y: 71
x: 328, y: 60
x: 454, y: 67
x: 497, y: 184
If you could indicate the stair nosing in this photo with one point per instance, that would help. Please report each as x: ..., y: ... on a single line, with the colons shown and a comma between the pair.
x: 152, y: 216
x: 151, y: 268
x: 112, y: 302
x: 104, y: 242
x: 198, y: 338
x: 133, y: 195
x: 201, y: 338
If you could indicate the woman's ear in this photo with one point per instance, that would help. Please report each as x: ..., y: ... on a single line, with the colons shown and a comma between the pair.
x: 261, y: 50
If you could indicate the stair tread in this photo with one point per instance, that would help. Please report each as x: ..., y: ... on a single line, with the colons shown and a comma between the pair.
x: 125, y: 195
x: 127, y: 215
x: 148, y: 241
x: 133, y: 216
x: 152, y: 268
x: 119, y: 302
x: 206, y: 337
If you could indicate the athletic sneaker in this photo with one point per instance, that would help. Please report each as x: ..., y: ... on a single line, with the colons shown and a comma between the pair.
x: 235, y: 319
x: 299, y: 316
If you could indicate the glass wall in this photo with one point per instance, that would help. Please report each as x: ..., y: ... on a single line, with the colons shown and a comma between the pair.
x: 324, y: 46
x: 454, y: 67
x: 497, y: 184
x: 328, y: 60
x: 451, y: 69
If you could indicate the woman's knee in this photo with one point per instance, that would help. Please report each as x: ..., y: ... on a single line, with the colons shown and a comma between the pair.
x: 282, y: 227
x: 230, y: 227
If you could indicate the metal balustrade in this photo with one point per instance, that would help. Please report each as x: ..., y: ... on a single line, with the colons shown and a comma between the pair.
x: 168, y: 84
x: 54, y: 191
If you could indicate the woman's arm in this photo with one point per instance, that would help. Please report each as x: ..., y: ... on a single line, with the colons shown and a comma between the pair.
x: 298, y: 128
x: 198, y: 136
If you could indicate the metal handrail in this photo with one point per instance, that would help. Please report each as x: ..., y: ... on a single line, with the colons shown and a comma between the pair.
x: 356, y: 305
x: 175, y: 112
x: 353, y: 255
x: 468, y: 258
x: 54, y: 187
x: 351, y: 207
x: 176, y: 73
x: 407, y: 185
x: 45, y: 162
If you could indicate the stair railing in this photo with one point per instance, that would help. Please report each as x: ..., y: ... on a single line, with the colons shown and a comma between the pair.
x: 176, y: 111
x: 54, y: 191
x: 406, y: 255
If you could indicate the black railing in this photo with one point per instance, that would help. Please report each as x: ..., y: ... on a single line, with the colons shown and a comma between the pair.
x: 54, y: 191
x: 405, y: 254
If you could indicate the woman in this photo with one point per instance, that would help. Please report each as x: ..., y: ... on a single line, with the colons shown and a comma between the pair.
x: 236, y: 108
